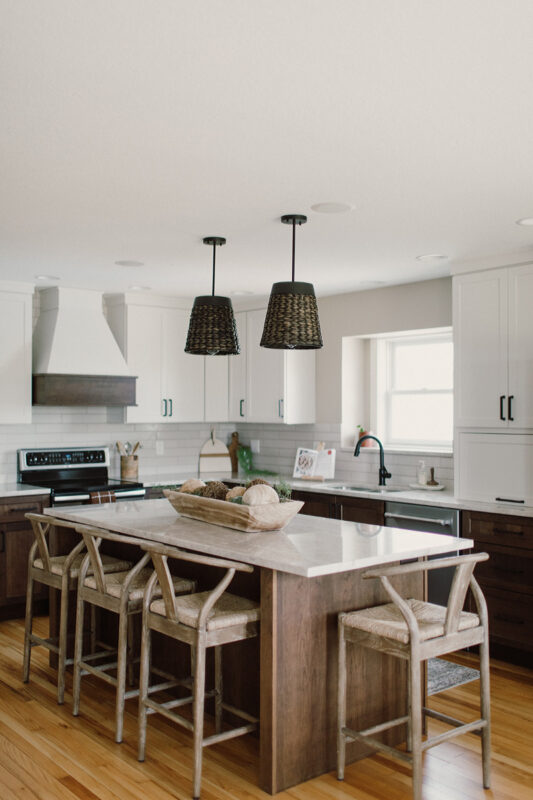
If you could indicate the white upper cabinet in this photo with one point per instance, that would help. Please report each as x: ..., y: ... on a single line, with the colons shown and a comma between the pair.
x: 170, y: 382
x: 493, y: 335
x: 15, y: 352
x: 269, y: 385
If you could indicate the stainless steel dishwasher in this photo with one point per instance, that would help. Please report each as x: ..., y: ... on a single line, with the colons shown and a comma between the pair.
x: 430, y: 519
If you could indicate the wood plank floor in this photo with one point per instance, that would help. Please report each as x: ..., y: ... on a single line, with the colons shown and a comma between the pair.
x: 48, y: 754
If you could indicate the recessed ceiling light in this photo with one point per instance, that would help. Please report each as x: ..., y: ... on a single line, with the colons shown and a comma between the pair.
x: 47, y: 278
x: 139, y: 288
x: 432, y: 257
x: 526, y: 221
x: 332, y: 208
x: 129, y: 263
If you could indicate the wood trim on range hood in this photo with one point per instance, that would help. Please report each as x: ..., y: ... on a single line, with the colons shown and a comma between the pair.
x: 83, y: 390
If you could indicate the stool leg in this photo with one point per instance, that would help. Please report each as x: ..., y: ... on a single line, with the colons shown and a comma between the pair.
x: 62, y: 654
x: 144, y: 678
x: 131, y: 673
x: 198, y: 712
x: 121, y: 673
x: 416, y: 724
x: 78, y: 652
x: 28, y: 627
x: 341, y: 703
x: 484, y: 685
x: 218, y: 689
x: 409, y: 731
x: 92, y: 629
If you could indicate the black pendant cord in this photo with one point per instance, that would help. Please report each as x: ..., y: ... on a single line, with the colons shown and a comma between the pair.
x: 214, y: 262
x: 293, y: 247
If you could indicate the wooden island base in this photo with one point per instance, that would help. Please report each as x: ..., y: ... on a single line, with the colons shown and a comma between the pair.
x: 289, y: 674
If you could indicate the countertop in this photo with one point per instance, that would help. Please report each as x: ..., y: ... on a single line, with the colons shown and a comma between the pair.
x: 20, y: 490
x: 307, y: 546
x: 442, y: 499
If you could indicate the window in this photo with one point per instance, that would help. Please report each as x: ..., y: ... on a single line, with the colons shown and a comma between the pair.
x: 414, y: 389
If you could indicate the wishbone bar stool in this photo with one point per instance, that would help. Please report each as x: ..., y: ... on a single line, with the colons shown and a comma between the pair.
x: 61, y: 573
x: 415, y: 631
x: 121, y: 593
x: 202, y: 620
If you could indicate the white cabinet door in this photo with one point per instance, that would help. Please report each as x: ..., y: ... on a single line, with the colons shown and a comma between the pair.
x: 237, y: 373
x: 496, y: 467
x: 183, y: 373
x: 480, y: 338
x: 265, y: 374
x: 216, y: 388
x: 15, y: 357
x: 144, y: 335
x: 521, y: 346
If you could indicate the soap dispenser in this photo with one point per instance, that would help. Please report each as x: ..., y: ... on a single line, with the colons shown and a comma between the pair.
x: 421, y: 473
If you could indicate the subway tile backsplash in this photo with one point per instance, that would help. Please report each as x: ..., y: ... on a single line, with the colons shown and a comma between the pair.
x: 71, y: 427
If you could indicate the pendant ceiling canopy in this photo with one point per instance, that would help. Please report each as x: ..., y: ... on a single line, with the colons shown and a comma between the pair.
x: 291, y: 321
x: 212, y: 329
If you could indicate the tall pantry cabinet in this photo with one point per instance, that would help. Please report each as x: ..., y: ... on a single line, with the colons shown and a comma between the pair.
x: 493, y: 334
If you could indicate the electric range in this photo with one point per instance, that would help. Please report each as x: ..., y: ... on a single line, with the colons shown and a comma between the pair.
x: 73, y: 474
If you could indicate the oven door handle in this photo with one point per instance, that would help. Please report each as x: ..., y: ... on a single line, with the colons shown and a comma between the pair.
x: 130, y: 493
x: 72, y: 498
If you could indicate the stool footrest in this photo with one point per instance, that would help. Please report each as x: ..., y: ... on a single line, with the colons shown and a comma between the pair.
x: 429, y: 712
x: 232, y: 734
x: 376, y: 744
x: 238, y: 713
x: 470, y: 727
x: 50, y: 644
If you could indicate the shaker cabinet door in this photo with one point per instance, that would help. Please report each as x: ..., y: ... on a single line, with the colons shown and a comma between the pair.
x: 183, y: 373
x: 521, y: 347
x: 265, y: 374
x: 144, y: 357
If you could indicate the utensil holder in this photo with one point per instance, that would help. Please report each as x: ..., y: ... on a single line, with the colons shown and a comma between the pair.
x: 129, y: 468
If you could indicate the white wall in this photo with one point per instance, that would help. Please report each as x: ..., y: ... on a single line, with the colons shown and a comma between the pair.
x: 411, y: 306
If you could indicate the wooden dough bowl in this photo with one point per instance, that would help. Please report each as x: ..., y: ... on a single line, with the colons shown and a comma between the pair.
x: 268, y: 517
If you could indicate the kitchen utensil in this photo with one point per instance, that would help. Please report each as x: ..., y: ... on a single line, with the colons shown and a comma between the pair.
x: 432, y: 481
x: 135, y: 448
x: 121, y: 449
x: 214, y: 456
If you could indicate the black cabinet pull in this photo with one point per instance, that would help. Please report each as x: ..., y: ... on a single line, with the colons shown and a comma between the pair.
x: 164, y: 412
x: 501, y: 532
x: 508, y: 500
x: 20, y: 510
x: 241, y: 412
x: 510, y: 407
x: 502, y: 398
x: 170, y: 404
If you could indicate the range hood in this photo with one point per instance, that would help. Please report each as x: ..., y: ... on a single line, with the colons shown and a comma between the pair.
x: 76, y: 360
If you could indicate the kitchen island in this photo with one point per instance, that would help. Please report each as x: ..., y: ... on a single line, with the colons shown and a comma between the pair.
x: 306, y: 574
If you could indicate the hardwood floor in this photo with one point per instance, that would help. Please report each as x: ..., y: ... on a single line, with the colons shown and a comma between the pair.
x: 48, y: 754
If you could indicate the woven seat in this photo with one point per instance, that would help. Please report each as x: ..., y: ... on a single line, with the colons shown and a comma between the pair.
x: 416, y: 631
x: 57, y: 564
x: 121, y: 593
x: 388, y: 621
x: 229, y: 610
x: 114, y: 584
x: 202, y: 620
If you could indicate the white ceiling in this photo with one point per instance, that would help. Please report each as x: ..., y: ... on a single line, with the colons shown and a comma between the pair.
x: 131, y: 129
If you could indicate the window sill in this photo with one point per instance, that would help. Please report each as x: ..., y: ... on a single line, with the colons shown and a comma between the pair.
x: 402, y: 450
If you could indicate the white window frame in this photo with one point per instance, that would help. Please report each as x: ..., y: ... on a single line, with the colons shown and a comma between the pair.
x: 382, y: 391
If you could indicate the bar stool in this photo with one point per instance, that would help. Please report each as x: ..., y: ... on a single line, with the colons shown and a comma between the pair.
x: 415, y: 631
x: 202, y: 620
x: 58, y: 572
x: 119, y: 592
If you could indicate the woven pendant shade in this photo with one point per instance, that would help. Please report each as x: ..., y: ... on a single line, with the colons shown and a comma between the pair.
x: 291, y: 321
x: 212, y: 328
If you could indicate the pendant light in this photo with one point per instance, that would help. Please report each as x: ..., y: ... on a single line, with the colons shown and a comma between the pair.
x: 212, y: 329
x: 291, y: 321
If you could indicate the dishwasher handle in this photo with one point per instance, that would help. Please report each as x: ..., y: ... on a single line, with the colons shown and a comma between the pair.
x: 445, y: 523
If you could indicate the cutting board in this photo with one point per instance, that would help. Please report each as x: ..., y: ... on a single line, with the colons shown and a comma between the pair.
x: 214, y: 456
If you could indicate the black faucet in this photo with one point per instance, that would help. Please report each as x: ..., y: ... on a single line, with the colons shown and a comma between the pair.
x: 383, y: 471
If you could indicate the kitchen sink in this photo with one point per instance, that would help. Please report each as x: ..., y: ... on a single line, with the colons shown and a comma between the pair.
x: 345, y: 487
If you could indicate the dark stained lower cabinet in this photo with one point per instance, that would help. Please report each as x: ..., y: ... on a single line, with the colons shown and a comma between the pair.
x: 360, y: 509
x: 506, y: 580
x: 16, y: 539
x: 315, y: 504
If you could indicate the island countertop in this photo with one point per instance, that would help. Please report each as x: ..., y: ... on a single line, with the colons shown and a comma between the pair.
x: 307, y: 546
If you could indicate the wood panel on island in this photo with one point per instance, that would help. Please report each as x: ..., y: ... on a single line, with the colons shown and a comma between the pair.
x: 506, y: 580
x: 16, y: 539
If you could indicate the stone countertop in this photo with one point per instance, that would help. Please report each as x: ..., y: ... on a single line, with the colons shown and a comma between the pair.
x: 443, y: 498
x: 307, y: 546
x: 20, y: 490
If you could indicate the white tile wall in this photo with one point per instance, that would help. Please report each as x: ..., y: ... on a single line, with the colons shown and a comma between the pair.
x: 278, y: 445
x: 71, y: 427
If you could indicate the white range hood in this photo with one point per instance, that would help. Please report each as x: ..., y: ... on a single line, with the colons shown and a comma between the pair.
x: 76, y: 359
